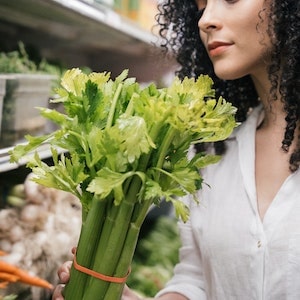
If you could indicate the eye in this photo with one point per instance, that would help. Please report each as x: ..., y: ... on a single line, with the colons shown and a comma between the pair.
x: 201, y: 4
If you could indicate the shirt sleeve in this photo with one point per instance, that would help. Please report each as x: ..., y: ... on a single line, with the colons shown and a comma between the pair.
x: 188, y: 274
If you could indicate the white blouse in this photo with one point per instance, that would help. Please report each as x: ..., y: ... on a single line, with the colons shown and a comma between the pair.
x: 227, y: 251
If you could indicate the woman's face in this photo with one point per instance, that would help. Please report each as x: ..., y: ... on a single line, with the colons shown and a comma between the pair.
x: 235, y: 37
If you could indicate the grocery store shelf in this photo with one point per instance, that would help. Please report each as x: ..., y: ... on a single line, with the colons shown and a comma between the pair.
x: 103, y: 15
x: 5, y: 164
x: 69, y: 19
x: 79, y: 33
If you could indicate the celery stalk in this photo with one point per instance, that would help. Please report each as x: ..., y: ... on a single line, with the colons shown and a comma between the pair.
x: 89, y: 237
x: 108, y: 253
x: 114, y: 291
x: 110, y: 248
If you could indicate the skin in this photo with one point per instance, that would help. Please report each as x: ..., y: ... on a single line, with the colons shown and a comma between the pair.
x: 248, y: 54
x: 234, y: 54
x: 228, y: 21
x: 128, y: 294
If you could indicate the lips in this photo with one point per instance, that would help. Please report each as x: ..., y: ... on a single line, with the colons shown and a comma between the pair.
x: 217, y: 48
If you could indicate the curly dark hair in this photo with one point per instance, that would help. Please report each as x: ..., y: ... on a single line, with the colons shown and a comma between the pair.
x: 178, y: 22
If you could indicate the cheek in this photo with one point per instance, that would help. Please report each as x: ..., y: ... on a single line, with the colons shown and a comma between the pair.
x: 203, y: 36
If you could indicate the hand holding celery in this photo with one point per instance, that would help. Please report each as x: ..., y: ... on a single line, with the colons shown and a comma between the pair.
x: 127, y: 150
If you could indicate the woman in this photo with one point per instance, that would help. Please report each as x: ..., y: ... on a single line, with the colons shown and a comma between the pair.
x: 243, y: 240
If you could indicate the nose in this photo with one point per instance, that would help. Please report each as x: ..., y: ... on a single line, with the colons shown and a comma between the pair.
x: 209, y: 20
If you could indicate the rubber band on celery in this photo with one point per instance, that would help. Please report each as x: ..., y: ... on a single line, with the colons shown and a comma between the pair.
x: 97, y: 275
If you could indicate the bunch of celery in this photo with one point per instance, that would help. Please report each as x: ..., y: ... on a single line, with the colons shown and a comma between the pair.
x: 126, y: 149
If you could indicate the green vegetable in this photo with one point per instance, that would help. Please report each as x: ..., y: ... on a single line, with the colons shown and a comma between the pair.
x: 16, y: 195
x: 152, y: 266
x: 127, y: 149
x: 18, y: 61
x: 15, y: 201
x: 17, y: 190
x: 9, y: 297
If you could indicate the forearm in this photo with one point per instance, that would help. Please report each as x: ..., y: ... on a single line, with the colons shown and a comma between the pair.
x: 168, y: 296
x: 129, y: 294
x: 171, y: 296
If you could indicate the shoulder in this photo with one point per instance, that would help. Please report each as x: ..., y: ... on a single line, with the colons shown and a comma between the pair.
x: 240, y: 143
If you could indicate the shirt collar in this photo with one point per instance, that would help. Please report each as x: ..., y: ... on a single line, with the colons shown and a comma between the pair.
x: 254, y: 119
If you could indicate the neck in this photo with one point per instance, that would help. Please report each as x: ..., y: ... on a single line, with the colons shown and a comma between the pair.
x: 274, y: 122
x: 274, y: 112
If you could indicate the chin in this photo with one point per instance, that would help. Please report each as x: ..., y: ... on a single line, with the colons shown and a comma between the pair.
x: 227, y: 73
x: 228, y: 76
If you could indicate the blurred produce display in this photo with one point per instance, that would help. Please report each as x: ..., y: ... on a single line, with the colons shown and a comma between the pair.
x: 27, y: 84
x: 38, y: 228
x: 155, y: 257
x: 141, y: 11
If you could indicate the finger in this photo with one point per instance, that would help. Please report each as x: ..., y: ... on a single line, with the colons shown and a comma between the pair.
x: 57, y: 294
x: 128, y: 294
x: 64, y: 272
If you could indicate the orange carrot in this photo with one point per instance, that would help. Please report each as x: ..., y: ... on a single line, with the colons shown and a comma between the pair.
x: 6, y: 267
x: 23, y: 276
x: 2, y: 253
x: 8, y: 277
x: 3, y: 284
x: 33, y: 280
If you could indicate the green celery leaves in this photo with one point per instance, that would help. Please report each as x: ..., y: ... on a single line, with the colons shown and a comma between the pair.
x: 114, y: 133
